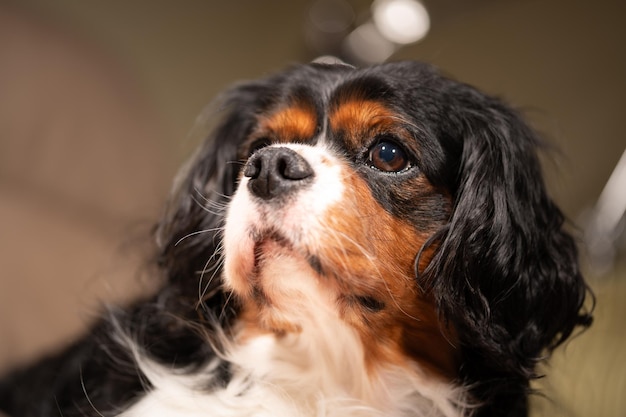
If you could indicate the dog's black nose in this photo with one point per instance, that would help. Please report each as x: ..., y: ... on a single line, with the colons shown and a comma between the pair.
x: 275, y: 172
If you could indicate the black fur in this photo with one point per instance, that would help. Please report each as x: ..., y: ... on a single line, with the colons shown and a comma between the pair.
x: 505, y: 273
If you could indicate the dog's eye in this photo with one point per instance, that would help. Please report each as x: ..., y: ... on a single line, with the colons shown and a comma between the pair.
x: 258, y: 144
x: 388, y: 156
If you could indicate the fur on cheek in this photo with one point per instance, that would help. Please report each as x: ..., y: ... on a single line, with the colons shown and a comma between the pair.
x: 370, y: 256
x: 239, y: 245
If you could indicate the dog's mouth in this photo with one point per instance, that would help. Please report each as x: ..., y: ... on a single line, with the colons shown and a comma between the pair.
x: 279, y: 281
x: 268, y: 245
x: 272, y: 245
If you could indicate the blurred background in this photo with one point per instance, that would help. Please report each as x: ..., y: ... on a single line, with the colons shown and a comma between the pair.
x: 99, y: 99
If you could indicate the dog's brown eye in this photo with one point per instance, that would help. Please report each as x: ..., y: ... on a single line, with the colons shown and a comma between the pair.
x: 388, y: 156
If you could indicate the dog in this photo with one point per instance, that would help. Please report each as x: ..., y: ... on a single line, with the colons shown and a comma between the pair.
x: 346, y: 242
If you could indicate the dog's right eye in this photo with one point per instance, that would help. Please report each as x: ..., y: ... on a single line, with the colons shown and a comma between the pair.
x: 388, y: 156
x: 258, y: 144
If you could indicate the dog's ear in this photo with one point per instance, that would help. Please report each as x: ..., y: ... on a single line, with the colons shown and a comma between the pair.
x: 506, y: 272
x: 189, y: 233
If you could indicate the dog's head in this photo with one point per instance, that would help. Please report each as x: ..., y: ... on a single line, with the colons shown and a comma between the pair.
x: 409, y: 205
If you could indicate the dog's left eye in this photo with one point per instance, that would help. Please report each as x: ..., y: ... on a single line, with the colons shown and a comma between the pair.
x: 388, y: 156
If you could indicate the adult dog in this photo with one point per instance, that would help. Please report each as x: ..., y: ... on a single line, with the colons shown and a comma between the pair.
x: 347, y: 242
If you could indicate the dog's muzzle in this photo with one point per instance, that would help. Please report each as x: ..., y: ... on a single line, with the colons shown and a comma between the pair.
x: 276, y: 172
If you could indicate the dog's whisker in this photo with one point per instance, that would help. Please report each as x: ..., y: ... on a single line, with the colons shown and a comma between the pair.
x: 340, y: 247
x: 226, y: 304
x: 215, y: 267
x: 340, y: 237
x: 242, y: 163
x: 207, y: 200
x: 205, y: 269
x: 216, y: 270
x: 84, y: 389
x: 199, y: 232
x: 215, y: 208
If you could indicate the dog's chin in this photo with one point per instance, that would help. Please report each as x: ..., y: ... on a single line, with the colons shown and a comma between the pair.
x: 273, y: 274
x: 274, y: 249
x: 282, y: 291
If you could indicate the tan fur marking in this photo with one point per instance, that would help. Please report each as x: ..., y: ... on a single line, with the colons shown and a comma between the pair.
x: 291, y: 124
x: 373, y: 253
x: 357, y: 119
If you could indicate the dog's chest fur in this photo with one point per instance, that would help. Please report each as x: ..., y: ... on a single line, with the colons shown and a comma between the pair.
x: 318, y: 371
x: 273, y: 379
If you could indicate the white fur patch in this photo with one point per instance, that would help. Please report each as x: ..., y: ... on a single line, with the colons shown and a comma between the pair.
x: 309, y: 374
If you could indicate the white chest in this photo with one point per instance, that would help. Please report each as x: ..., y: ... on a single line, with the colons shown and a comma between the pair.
x: 295, y: 377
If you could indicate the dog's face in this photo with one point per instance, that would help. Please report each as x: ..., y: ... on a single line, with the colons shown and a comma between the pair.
x: 330, y: 213
x: 406, y: 205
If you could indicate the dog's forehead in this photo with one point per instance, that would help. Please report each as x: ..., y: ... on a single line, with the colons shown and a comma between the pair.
x: 357, y: 120
x: 352, y: 107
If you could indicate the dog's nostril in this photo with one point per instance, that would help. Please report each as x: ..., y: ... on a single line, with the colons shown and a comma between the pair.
x: 294, y: 168
x: 253, y: 168
x: 275, y: 171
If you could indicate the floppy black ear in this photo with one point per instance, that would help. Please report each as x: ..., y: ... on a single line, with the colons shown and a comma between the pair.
x: 190, y: 230
x: 506, y: 273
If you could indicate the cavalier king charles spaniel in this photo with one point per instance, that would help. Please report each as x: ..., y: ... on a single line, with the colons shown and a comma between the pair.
x: 346, y: 242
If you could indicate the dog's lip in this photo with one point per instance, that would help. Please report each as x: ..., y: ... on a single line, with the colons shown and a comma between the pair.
x: 266, y: 235
x: 268, y: 241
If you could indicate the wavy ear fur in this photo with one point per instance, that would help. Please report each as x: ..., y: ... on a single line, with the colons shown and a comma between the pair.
x: 205, y: 186
x: 506, y: 273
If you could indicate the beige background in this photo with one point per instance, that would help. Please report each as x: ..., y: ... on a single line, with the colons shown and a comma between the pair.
x: 97, y: 100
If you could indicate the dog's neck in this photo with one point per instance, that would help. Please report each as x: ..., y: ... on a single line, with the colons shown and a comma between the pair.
x: 298, y: 359
x: 293, y: 337
x: 322, y: 367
